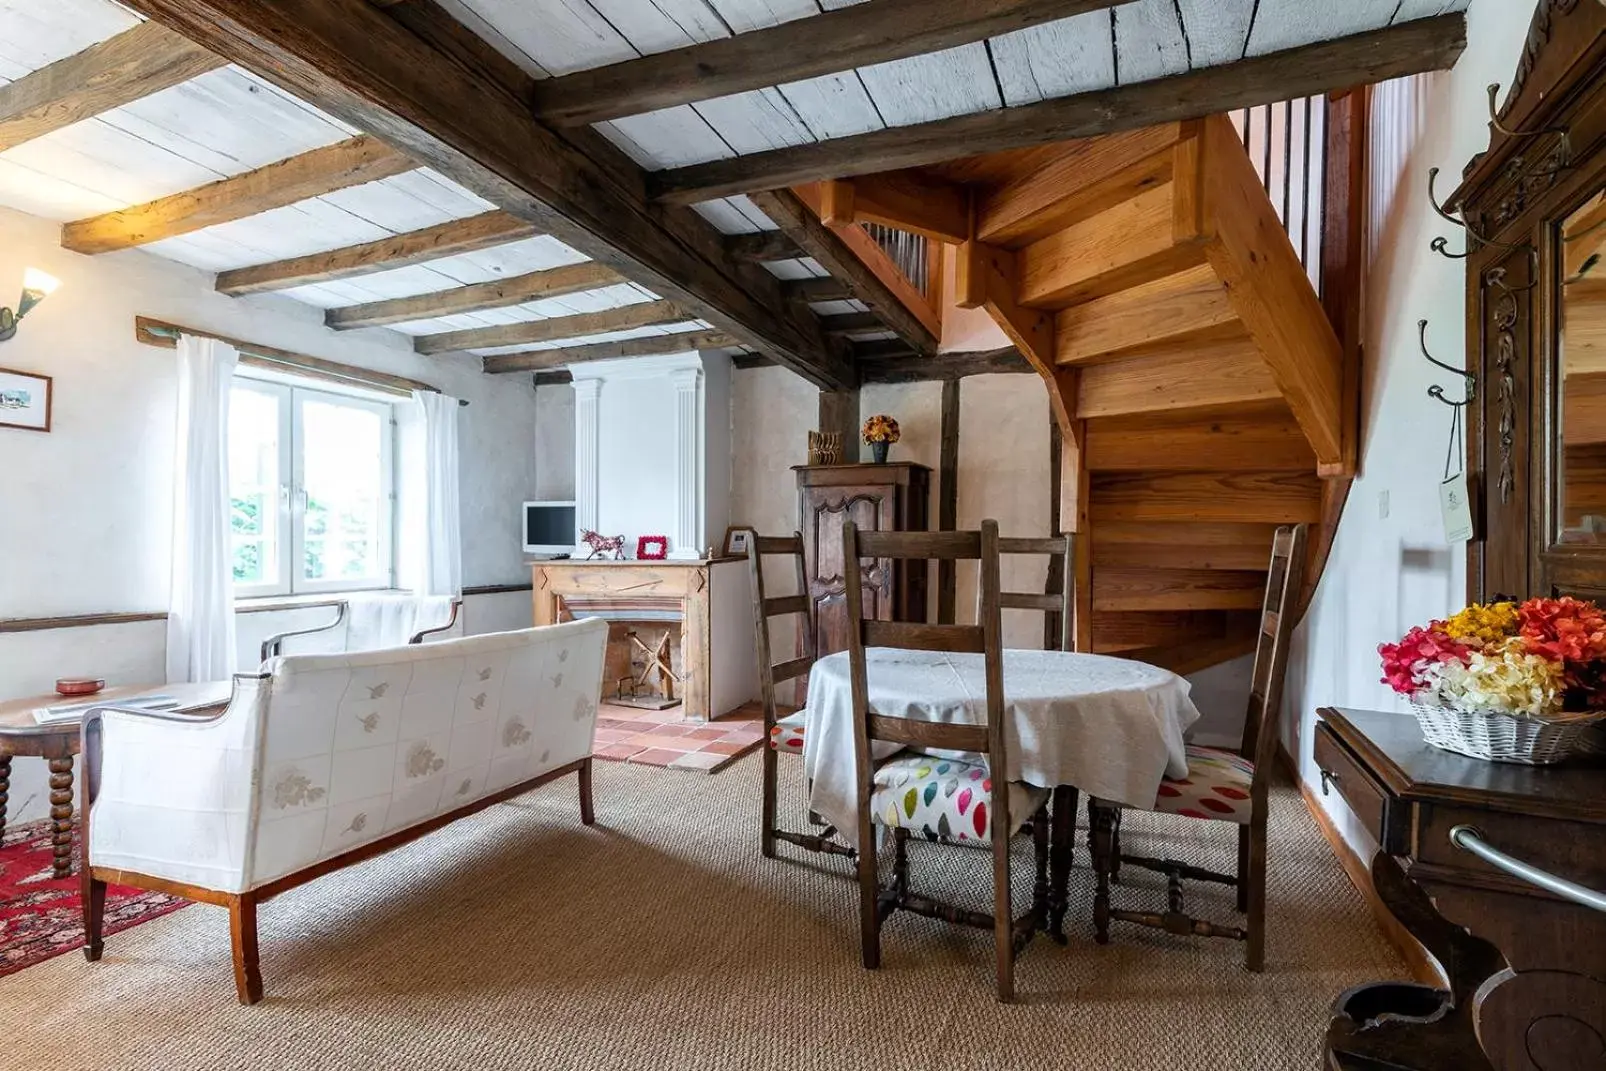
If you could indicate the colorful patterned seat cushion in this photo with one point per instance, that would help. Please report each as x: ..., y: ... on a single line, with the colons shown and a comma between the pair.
x: 787, y: 735
x: 1217, y: 787
x: 947, y: 798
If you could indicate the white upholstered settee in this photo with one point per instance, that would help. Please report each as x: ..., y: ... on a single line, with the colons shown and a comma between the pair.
x: 324, y: 760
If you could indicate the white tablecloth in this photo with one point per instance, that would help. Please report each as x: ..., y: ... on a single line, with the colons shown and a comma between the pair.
x: 1110, y: 726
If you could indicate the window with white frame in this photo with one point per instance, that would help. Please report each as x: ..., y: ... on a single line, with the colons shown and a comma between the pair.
x: 311, y: 503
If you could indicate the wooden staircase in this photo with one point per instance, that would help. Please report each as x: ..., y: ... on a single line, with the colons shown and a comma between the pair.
x: 1202, y: 392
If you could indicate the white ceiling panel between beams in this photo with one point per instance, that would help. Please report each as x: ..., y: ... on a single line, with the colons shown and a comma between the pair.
x: 1148, y: 41
x: 1217, y: 30
x: 1056, y: 59
x: 1425, y: 9
x: 38, y: 194
x: 1281, y: 24
x: 40, y: 32
x: 936, y: 85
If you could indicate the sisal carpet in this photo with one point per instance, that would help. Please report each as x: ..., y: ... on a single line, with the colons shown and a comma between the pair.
x: 519, y: 939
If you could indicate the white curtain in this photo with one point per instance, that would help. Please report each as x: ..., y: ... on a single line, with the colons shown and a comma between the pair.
x: 200, y: 618
x: 438, y: 538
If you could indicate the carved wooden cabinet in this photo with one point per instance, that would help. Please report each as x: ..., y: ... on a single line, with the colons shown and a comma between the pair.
x: 893, y: 497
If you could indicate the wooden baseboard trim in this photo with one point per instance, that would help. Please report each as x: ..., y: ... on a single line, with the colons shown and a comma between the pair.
x: 1423, y: 967
x: 41, y: 624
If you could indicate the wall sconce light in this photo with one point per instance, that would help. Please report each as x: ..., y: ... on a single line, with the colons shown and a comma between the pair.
x: 36, y: 286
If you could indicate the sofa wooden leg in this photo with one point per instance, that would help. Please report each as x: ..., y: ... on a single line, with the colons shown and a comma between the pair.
x: 588, y: 815
x: 243, y: 935
x: 92, y: 894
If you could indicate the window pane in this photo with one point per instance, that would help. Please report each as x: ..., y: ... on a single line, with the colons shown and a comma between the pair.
x: 343, y: 528
x: 254, y: 480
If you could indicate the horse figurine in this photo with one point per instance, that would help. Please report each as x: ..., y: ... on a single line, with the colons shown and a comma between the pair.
x: 601, y: 545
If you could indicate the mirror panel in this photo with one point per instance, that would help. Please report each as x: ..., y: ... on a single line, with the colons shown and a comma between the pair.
x: 1580, y: 462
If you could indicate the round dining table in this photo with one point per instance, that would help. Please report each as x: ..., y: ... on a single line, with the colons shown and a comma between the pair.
x: 1111, y: 727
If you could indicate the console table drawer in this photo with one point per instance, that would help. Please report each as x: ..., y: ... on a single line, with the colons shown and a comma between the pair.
x: 1342, y: 772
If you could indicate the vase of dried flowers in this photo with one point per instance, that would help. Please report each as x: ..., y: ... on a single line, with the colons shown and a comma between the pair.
x: 881, y: 431
x: 1505, y: 681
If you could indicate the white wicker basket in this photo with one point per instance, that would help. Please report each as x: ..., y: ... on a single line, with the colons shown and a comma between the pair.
x: 1503, y: 737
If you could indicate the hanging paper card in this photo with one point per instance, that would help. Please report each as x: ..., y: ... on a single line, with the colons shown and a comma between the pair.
x: 1456, y: 506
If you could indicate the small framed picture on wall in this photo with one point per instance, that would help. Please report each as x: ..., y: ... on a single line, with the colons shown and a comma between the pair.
x: 736, y: 541
x: 24, y: 400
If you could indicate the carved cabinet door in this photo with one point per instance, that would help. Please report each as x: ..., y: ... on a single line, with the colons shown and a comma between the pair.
x: 827, y: 509
x: 888, y: 498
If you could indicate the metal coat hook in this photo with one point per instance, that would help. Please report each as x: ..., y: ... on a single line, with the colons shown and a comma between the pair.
x: 1565, y: 157
x: 1437, y: 392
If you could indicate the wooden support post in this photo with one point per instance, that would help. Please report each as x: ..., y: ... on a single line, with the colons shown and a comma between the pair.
x: 948, y: 499
x: 1056, y: 565
x: 839, y: 412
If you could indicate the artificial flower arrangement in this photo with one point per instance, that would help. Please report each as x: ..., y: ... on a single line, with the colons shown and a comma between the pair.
x: 1499, y: 680
x: 881, y: 431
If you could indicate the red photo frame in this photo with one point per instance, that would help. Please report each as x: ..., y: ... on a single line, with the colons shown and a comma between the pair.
x: 652, y: 548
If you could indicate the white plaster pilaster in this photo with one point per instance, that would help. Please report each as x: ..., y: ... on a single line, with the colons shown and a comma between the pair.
x: 688, y: 542
x: 587, y: 447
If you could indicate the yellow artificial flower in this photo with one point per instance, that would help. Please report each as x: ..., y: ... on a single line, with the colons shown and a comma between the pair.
x: 1489, y: 624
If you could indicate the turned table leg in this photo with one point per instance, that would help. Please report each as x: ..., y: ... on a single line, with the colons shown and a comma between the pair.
x: 61, y: 815
x: 5, y: 791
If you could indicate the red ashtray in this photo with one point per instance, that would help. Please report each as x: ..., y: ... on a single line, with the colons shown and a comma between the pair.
x: 79, y: 685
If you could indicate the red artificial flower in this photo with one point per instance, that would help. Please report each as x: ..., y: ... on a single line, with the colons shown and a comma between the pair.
x: 1567, y: 630
x: 1405, y: 663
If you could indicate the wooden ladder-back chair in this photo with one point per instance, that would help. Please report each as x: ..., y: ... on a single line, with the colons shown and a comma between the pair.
x: 1059, y: 614
x: 912, y: 792
x: 1221, y: 785
x: 1062, y: 604
x: 782, y: 734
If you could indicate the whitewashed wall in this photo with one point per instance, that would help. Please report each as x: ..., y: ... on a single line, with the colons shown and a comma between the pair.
x: 86, y: 511
x: 554, y: 442
x: 1390, y: 567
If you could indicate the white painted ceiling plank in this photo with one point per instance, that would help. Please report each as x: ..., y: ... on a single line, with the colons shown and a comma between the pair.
x: 753, y: 122
x: 672, y: 137
x: 99, y: 157
x: 37, y: 33
x: 937, y: 85
x: 726, y: 217
x: 1423, y: 9
x: 30, y: 190
x: 833, y: 105
x: 1056, y: 59
x: 1281, y: 24
x: 1217, y: 30
x: 1148, y: 41
x: 745, y: 15
x: 560, y: 36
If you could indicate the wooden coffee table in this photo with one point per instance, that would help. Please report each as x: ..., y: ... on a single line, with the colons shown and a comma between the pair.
x: 57, y: 743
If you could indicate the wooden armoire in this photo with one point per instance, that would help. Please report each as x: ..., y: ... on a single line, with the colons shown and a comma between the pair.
x: 891, y: 497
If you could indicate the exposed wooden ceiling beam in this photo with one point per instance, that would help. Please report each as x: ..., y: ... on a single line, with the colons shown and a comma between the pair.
x: 851, y: 323
x: 852, y: 266
x: 539, y: 360
x: 838, y: 40
x: 334, y: 167
x: 762, y: 247
x: 624, y: 318
x: 397, y: 251
x: 413, y: 75
x: 914, y: 368
x: 804, y: 291
x: 1409, y: 48
x: 136, y: 63
x: 497, y: 294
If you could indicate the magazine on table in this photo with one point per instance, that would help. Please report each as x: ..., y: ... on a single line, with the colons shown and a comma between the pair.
x: 74, y: 711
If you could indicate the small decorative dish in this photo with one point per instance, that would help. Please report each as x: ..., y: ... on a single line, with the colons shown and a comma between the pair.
x: 79, y: 685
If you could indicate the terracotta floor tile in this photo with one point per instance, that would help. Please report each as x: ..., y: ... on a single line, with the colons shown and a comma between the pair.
x: 724, y: 747
x: 706, y: 734
x: 617, y: 752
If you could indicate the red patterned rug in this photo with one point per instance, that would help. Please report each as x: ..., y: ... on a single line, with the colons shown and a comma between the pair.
x: 40, y: 915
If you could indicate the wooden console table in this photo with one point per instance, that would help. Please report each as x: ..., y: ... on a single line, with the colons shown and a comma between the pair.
x: 710, y: 599
x: 1544, y: 1006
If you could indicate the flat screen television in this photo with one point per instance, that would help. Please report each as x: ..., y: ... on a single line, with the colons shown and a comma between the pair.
x: 549, y: 528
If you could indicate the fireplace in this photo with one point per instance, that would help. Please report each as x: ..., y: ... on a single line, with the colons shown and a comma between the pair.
x: 696, y: 616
